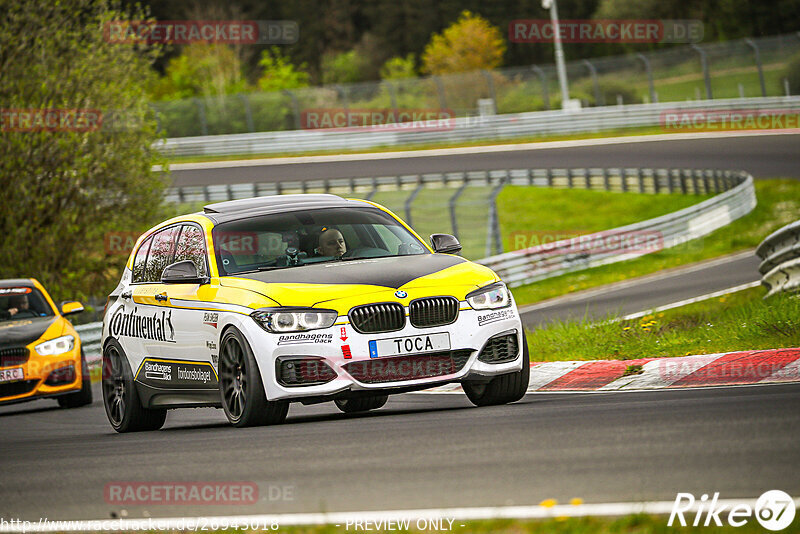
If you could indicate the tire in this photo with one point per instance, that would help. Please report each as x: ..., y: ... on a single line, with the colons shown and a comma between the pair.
x: 241, y: 389
x: 82, y: 397
x: 502, y: 389
x: 120, y: 398
x: 361, y: 404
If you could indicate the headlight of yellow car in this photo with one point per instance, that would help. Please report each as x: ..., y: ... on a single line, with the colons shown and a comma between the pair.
x: 279, y: 320
x: 56, y: 346
x: 490, y: 297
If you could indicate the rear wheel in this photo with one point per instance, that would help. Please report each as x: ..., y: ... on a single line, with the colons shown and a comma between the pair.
x: 240, y: 386
x: 361, y: 404
x: 502, y: 389
x: 82, y: 397
x: 120, y: 398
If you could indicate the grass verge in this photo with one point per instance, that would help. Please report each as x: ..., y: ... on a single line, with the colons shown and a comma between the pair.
x: 778, y: 205
x: 739, y: 321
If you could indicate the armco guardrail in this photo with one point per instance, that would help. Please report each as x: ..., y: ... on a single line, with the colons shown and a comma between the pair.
x: 90, y: 339
x: 505, y: 126
x: 545, y: 261
x: 780, y: 254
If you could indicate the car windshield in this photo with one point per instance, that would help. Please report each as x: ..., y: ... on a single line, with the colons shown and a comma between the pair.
x: 22, y: 303
x: 293, y: 239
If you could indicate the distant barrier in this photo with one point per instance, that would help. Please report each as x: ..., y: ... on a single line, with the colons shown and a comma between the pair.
x: 780, y: 255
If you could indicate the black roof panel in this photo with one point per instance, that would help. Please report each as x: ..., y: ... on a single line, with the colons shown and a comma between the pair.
x: 252, y: 207
x: 16, y: 282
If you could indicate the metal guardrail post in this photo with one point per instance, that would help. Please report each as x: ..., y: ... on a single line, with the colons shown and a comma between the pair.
x: 587, y: 179
x: 411, y: 198
x: 440, y: 91
x: 452, y: 203
x: 374, y: 189
x: 201, y: 111
x: 569, y: 178
x: 752, y: 44
x: 706, y: 73
x: 598, y: 96
x: 641, y: 57
x: 247, y: 111
x: 295, y: 109
x: 549, y: 177
x: 640, y: 176
x: 543, y: 80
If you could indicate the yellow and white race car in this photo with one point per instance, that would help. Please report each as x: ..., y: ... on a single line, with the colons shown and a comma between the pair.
x: 40, y: 352
x: 256, y: 303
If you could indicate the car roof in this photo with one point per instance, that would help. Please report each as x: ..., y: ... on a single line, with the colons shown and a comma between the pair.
x: 17, y: 282
x: 252, y: 207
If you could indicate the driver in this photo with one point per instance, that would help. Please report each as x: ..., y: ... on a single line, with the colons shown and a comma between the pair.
x: 17, y: 303
x: 331, y: 243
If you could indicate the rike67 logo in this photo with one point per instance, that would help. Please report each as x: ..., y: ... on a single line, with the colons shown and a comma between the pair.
x: 774, y: 510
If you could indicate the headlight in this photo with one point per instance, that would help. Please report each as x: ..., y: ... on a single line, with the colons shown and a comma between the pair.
x: 279, y: 320
x: 490, y: 297
x: 56, y: 346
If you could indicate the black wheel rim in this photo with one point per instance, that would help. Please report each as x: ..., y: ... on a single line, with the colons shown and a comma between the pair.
x: 114, y: 388
x: 233, y: 377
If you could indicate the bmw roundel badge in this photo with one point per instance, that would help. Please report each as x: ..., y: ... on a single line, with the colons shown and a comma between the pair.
x: 400, y: 294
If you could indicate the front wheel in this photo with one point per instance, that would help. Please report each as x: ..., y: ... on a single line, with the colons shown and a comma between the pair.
x: 361, y: 404
x: 120, y: 398
x: 502, y: 389
x: 82, y: 397
x: 240, y: 386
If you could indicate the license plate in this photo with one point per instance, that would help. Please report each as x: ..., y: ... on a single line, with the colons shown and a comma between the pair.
x: 10, y: 375
x: 409, y: 345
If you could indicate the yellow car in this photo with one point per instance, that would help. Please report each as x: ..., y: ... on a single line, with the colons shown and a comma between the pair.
x: 40, y: 352
x: 256, y: 303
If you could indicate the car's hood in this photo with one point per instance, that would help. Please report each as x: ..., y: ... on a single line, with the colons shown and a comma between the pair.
x: 21, y: 332
x: 348, y: 283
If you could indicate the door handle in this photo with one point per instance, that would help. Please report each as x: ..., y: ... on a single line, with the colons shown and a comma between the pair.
x: 161, y: 297
x: 126, y: 295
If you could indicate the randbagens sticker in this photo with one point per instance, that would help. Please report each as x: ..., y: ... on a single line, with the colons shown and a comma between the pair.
x: 177, y: 374
x: 15, y: 290
x: 495, y: 316
x: 295, y: 339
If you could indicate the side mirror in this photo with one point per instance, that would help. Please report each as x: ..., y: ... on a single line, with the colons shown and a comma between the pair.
x: 69, y: 307
x: 445, y: 243
x: 182, y: 272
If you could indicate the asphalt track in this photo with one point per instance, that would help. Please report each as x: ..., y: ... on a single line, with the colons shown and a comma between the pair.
x: 647, y: 292
x: 764, y: 156
x: 419, y: 451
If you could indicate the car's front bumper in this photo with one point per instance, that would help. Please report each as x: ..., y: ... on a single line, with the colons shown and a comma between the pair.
x: 468, y: 335
x: 43, y: 376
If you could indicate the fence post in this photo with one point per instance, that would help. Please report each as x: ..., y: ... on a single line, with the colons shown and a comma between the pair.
x: 543, y: 80
x: 706, y: 74
x: 248, y: 112
x: 490, y: 84
x: 393, y: 96
x: 549, y: 177
x: 598, y: 96
x: 411, y: 198
x: 452, y: 202
x: 493, y: 226
x: 440, y: 92
x: 201, y: 110
x: 752, y: 44
x: 641, y: 57
x: 295, y: 109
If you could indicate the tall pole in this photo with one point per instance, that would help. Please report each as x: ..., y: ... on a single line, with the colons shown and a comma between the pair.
x: 561, y: 68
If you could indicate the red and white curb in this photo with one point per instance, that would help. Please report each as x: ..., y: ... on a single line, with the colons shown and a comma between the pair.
x: 725, y: 369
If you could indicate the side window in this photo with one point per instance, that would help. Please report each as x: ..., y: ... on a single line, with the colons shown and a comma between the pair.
x: 160, y: 253
x: 140, y: 259
x: 191, y: 246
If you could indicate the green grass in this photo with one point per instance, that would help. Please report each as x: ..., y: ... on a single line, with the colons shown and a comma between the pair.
x: 723, y: 85
x: 631, y: 524
x: 778, y: 205
x: 739, y: 321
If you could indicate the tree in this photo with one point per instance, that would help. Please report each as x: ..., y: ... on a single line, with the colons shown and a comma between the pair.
x: 470, y: 43
x: 202, y: 69
x: 279, y: 73
x: 398, y: 68
x: 344, y: 67
x: 66, y: 185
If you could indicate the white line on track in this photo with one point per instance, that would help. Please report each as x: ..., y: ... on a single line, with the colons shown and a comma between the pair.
x: 485, y: 149
x: 342, y: 519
